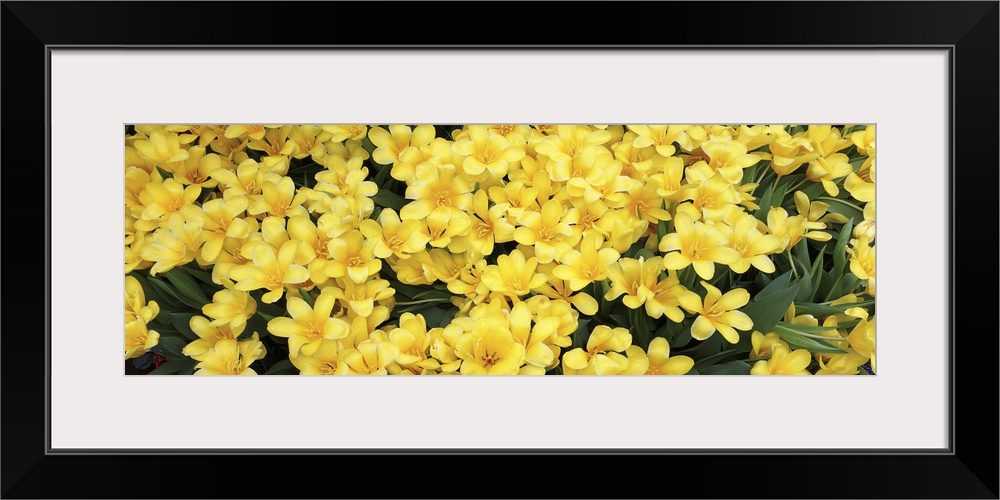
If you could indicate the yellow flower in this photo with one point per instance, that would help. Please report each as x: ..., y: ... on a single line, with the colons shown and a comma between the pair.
x: 636, y: 279
x: 862, y: 337
x: 255, y: 132
x: 325, y: 361
x: 161, y: 148
x: 657, y: 360
x: 489, y: 226
x: 279, y: 199
x: 341, y: 133
x: 516, y: 195
x: 197, y: 168
x: 230, y: 357
x: 230, y: 306
x: 490, y: 349
x: 361, y: 298
x: 602, y: 356
x: 792, y: 229
x: 304, y: 139
x: 486, y: 150
x: 389, y: 144
x: 717, y: 312
x: 138, y: 338
x: 566, y: 144
x: 436, y: 186
x: 829, y: 169
x: 696, y: 244
x: 414, y: 343
x: 353, y: 256
x: 162, y: 200
x: 209, y: 335
x: 272, y: 145
x: 783, y: 362
x: 246, y: 180
x: 762, y: 345
x: 860, y: 189
x: 547, y: 230
x: 222, y: 218
x: 729, y: 158
x: 863, y: 262
x: 662, y: 137
x: 537, y: 352
x: 271, y: 269
x: 308, y: 326
x: 666, y: 298
x: 643, y: 203
x: 557, y: 288
x: 175, y: 245
x: 789, y: 153
x: 513, y: 275
x: 710, y: 195
x: 582, y: 267
x: 867, y: 226
x: 135, y: 302
x: 448, y: 227
x: 393, y: 236
x: 816, y: 211
x: 752, y: 245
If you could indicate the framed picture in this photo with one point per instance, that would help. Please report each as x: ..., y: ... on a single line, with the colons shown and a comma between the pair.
x: 924, y: 73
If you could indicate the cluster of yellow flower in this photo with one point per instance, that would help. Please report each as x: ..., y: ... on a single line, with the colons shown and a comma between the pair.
x: 526, y: 233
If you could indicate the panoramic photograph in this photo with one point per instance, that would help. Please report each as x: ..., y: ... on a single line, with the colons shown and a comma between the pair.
x: 478, y: 249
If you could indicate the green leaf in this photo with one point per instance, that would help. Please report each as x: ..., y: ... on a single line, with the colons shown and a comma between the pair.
x: 643, y: 252
x: 174, y: 366
x: 148, y: 290
x: 731, y: 368
x: 805, y: 281
x: 843, y: 286
x: 682, y: 339
x: 765, y: 205
x: 581, y: 335
x: 708, y: 361
x: 201, y: 275
x: 793, y: 334
x: 414, y: 308
x: 172, y: 346
x: 840, y: 249
x: 767, y: 310
x: 187, y: 289
x: 775, y: 285
x: 387, y: 199
x: 283, y: 367
x: 433, y: 316
x: 621, y: 319
x: 661, y: 230
x: 182, y: 322
x: 640, y: 327
x: 307, y: 298
x: 163, y: 173
x: 368, y: 146
x: 432, y: 294
x: 842, y: 207
x: 704, y: 348
x: 820, y: 310
x: 816, y: 275
x: 167, y: 294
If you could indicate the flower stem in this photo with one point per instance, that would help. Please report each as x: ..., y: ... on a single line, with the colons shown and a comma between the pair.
x: 841, y: 201
x: 792, y: 263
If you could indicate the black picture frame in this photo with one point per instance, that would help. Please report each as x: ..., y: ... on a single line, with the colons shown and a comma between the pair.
x: 968, y: 30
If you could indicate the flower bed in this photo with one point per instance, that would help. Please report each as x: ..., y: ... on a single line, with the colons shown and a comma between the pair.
x: 516, y: 249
